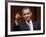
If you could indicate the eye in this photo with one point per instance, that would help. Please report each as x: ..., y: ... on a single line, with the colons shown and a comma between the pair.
x: 24, y: 14
x: 28, y: 13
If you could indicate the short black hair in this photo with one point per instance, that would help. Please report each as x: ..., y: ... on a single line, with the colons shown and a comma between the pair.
x: 26, y: 8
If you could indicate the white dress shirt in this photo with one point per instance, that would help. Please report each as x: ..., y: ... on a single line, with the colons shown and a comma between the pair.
x: 16, y: 22
x: 30, y: 24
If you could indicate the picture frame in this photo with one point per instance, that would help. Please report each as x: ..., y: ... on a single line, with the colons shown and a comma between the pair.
x: 8, y: 5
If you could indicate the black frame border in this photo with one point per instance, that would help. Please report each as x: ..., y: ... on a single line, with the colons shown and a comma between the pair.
x: 6, y: 17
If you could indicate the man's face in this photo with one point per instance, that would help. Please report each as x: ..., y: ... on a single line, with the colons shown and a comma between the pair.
x: 27, y: 14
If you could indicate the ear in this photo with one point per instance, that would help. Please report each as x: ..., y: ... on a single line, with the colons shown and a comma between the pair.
x: 31, y: 14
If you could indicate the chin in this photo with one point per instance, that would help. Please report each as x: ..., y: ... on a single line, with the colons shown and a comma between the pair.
x: 28, y: 20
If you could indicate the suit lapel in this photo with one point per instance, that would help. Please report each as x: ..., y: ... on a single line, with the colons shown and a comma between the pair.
x: 34, y: 25
x: 26, y: 25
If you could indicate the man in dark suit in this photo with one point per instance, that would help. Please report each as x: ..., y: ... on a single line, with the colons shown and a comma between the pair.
x: 28, y: 23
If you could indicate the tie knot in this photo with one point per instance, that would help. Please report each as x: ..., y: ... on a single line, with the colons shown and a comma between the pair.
x: 29, y: 22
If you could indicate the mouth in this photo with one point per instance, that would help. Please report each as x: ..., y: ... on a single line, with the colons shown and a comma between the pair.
x: 28, y: 18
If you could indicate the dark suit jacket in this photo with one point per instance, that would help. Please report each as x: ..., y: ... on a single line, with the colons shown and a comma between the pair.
x: 22, y: 26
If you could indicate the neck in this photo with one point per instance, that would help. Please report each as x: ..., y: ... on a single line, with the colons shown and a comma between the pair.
x: 28, y: 21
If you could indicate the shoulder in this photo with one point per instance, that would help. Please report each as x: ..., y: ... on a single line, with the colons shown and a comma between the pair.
x: 35, y: 22
x: 36, y: 25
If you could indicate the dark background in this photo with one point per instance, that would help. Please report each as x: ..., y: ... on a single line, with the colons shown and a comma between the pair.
x: 36, y: 13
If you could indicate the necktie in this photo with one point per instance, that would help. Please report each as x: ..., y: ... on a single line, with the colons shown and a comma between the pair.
x: 29, y: 26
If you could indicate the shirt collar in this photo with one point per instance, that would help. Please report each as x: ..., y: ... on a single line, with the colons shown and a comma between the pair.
x: 29, y: 22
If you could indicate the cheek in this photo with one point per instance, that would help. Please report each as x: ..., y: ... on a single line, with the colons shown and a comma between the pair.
x: 30, y: 15
x: 24, y: 16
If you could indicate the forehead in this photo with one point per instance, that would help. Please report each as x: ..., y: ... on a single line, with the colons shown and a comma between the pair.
x: 26, y: 11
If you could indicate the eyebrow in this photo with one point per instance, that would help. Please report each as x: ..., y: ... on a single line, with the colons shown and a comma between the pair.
x: 26, y: 13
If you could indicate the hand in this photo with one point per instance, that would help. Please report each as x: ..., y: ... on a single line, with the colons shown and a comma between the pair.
x: 17, y: 16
